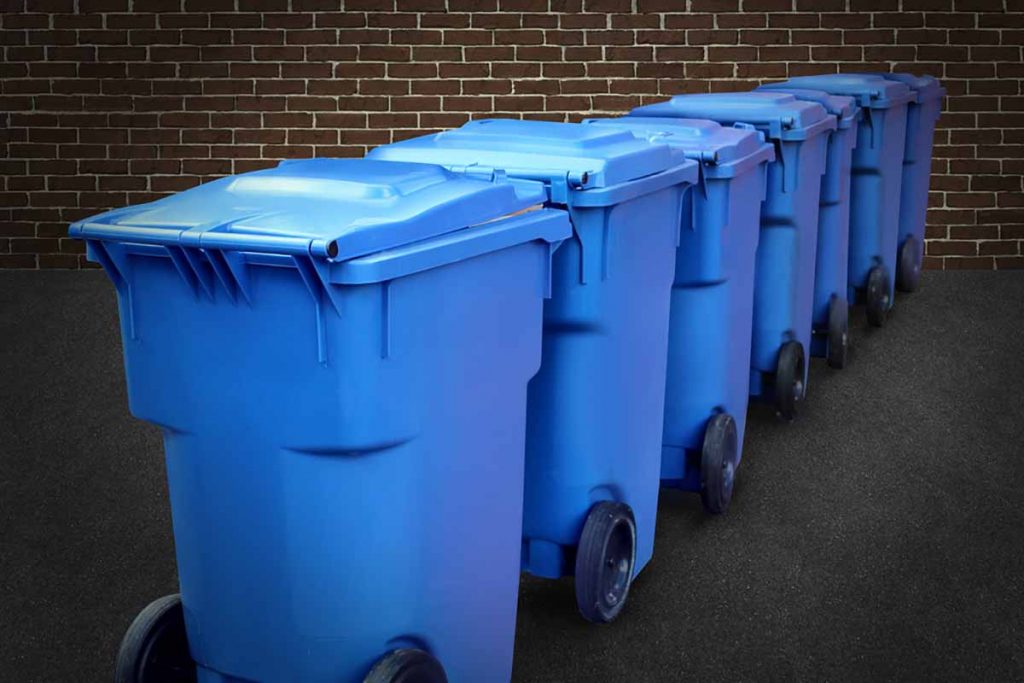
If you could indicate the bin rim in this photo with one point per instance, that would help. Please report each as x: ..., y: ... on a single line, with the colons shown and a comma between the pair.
x: 758, y: 108
x: 926, y: 87
x: 843, y: 107
x: 579, y: 165
x: 714, y: 165
x: 872, y: 90
x: 233, y: 214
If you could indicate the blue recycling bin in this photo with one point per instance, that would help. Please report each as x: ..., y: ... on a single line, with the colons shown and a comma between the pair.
x: 922, y: 115
x: 830, y: 335
x: 874, y: 184
x: 786, y: 252
x: 337, y: 353
x: 708, y: 381
x: 593, y: 447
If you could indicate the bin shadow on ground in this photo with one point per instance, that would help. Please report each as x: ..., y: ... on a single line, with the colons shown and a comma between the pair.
x: 879, y: 536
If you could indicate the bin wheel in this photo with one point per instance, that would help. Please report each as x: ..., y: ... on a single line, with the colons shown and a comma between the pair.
x: 154, y: 648
x: 789, y: 379
x: 718, y: 463
x: 908, y: 273
x: 604, y: 561
x: 879, y: 297
x: 838, y: 332
x: 407, y: 666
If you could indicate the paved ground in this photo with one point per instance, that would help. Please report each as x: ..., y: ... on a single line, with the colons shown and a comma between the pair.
x: 881, y: 536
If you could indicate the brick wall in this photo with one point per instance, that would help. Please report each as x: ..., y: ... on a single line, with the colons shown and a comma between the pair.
x: 113, y: 102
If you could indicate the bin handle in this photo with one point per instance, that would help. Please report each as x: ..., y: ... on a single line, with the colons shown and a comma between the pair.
x: 207, y: 237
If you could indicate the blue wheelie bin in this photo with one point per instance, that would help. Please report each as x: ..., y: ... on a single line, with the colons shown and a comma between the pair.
x: 709, y: 335
x: 594, y: 419
x: 922, y: 114
x: 786, y: 252
x: 874, y: 184
x: 830, y: 337
x: 337, y: 352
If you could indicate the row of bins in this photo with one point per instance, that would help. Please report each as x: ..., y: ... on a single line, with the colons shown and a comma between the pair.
x: 374, y: 376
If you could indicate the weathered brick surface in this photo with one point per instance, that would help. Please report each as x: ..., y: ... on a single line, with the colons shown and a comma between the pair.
x: 111, y: 102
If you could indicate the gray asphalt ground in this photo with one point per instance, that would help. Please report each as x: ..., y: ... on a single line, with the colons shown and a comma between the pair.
x: 878, y: 537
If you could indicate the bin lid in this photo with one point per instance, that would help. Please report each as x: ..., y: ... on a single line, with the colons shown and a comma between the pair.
x: 843, y: 107
x: 926, y: 87
x: 781, y: 116
x: 334, y: 208
x: 725, y: 150
x: 569, y: 157
x: 871, y: 90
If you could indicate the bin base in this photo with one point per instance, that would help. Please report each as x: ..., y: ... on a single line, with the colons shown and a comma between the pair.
x: 680, y: 468
x: 546, y: 559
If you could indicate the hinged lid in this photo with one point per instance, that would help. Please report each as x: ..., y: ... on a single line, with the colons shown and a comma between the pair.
x: 333, y: 208
x: 780, y: 116
x: 926, y: 88
x: 569, y: 157
x: 843, y: 107
x: 723, y: 150
x: 871, y: 90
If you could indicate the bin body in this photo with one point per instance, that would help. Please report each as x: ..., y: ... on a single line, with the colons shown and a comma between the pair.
x: 336, y: 431
x: 786, y: 252
x: 831, y: 269
x: 922, y: 114
x: 595, y: 407
x: 875, y: 172
x: 713, y: 292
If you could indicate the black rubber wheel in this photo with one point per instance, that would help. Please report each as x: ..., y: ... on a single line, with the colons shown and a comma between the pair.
x: 789, y: 379
x: 908, y: 271
x: 879, y: 297
x: 604, y: 561
x: 154, y: 648
x: 838, y: 332
x: 718, y: 463
x: 407, y: 666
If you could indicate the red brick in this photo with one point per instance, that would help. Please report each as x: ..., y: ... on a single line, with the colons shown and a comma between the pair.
x: 969, y: 263
x: 1009, y: 263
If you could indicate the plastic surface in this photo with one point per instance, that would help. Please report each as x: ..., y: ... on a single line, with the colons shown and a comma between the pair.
x: 786, y: 253
x: 337, y: 208
x: 713, y: 292
x: 870, y: 90
x: 922, y: 115
x: 875, y: 172
x: 844, y: 108
x: 724, y: 151
x: 779, y: 115
x: 331, y: 447
x: 831, y: 273
x: 567, y: 157
x: 596, y: 406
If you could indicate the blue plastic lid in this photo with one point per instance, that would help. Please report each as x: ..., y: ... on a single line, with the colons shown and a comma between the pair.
x: 334, y: 208
x: 844, y: 108
x: 928, y: 88
x: 724, y: 150
x: 871, y: 90
x: 570, y: 157
x: 779, y: 115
